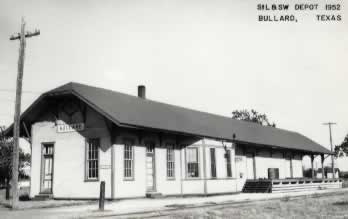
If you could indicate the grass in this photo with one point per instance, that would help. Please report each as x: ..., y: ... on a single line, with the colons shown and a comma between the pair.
x: 316, y: 206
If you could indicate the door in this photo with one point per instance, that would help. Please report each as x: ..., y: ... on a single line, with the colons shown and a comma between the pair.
x: 47, y: 168
x: 287, y: 167
x: 150, y: 167
x: 250, y: 166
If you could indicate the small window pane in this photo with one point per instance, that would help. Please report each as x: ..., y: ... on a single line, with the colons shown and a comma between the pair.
x: 170, y: 161
x: 92, y: 158
x: 228, y: 163
x: 128, y: 160
x: 192, y: 162
x: 212, y: 162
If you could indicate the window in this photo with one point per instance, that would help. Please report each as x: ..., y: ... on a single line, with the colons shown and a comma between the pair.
x: 92, y: 159
x: 212, y: 163
x: 192, y: 162
x: 150, y: 147
x: 170, y: 162
x: 228, y: 163
x: 128, y: 160
x: 48, y: 149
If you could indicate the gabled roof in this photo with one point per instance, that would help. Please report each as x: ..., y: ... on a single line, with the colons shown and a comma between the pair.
x: 127, y: 110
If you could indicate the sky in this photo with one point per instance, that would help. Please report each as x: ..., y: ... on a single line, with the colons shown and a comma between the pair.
x: 212, y: 56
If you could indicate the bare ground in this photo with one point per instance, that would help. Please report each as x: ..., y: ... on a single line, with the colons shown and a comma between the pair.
x: 324, y: 205
x: 30, y: 204
x: 317, y: 206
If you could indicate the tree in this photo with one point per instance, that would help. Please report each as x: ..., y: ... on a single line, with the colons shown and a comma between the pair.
x: 342, y: 149
x: 6, y: 148
x: 252, y: 116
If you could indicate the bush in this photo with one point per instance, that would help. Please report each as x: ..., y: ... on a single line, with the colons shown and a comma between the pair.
x: 24, y: 197
x: 308, y: 173
x: 344, y: 174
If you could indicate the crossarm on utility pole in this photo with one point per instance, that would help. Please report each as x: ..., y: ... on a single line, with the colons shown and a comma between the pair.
x: 27, y: 35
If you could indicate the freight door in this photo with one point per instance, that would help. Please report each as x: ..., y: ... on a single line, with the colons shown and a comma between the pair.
x: 250, y: 166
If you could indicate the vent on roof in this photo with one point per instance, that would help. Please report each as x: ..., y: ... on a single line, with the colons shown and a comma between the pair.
x: 141, y: 91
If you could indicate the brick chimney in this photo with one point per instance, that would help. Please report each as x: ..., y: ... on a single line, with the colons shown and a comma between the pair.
x: 142, y: 91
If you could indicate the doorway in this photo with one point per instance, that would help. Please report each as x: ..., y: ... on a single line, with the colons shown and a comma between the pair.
x: 47, y: 168
x: 250, y: 166
x: 150, y: 167
x: 288, y: 167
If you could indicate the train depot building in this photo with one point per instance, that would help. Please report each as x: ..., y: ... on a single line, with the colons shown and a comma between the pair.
x: 82, y: 135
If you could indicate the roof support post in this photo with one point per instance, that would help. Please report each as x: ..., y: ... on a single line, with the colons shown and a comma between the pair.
x: 112, y: 135
x: 179, y: 146
x: 254, y: 163
x: 322, y: 166
x: 312, y: 165
x: 291, y: 165
x: 204, y: 167
x: 181, y: 175
x: 27, y: 132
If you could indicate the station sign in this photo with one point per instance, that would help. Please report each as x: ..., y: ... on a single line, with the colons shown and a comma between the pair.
x: 75, y: 127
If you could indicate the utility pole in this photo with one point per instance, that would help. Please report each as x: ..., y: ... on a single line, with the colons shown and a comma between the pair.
x: 332, y: 156
x: 16, y: 125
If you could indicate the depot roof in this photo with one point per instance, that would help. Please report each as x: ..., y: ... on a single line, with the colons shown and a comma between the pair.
x: 128, y: 110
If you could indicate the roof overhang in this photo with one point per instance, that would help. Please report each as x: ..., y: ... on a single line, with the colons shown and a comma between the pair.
x: 114, y: 120
x: 276, y: 147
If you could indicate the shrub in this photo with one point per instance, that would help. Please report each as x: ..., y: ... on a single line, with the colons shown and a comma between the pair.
x: 308, y: 173
x: 344, y: 174
x: 345, y: 184
x: 24, y: 197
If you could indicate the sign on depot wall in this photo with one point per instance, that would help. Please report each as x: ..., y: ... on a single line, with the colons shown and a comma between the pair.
x: 75, y: 127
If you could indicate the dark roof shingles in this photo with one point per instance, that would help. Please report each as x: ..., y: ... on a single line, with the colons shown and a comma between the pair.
x: 131, y: 110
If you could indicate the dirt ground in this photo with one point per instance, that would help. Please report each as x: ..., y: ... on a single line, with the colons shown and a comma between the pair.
x: 317, y: 206
x: 323, y: 207
x: 30, y: 204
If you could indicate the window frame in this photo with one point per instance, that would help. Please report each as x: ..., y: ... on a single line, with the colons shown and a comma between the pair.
x: 170, y: 147
x: 198, y: 163
x: 211, y: 163
x: 129, y: 143
x: 42, y: 167
x: 87, y: 159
